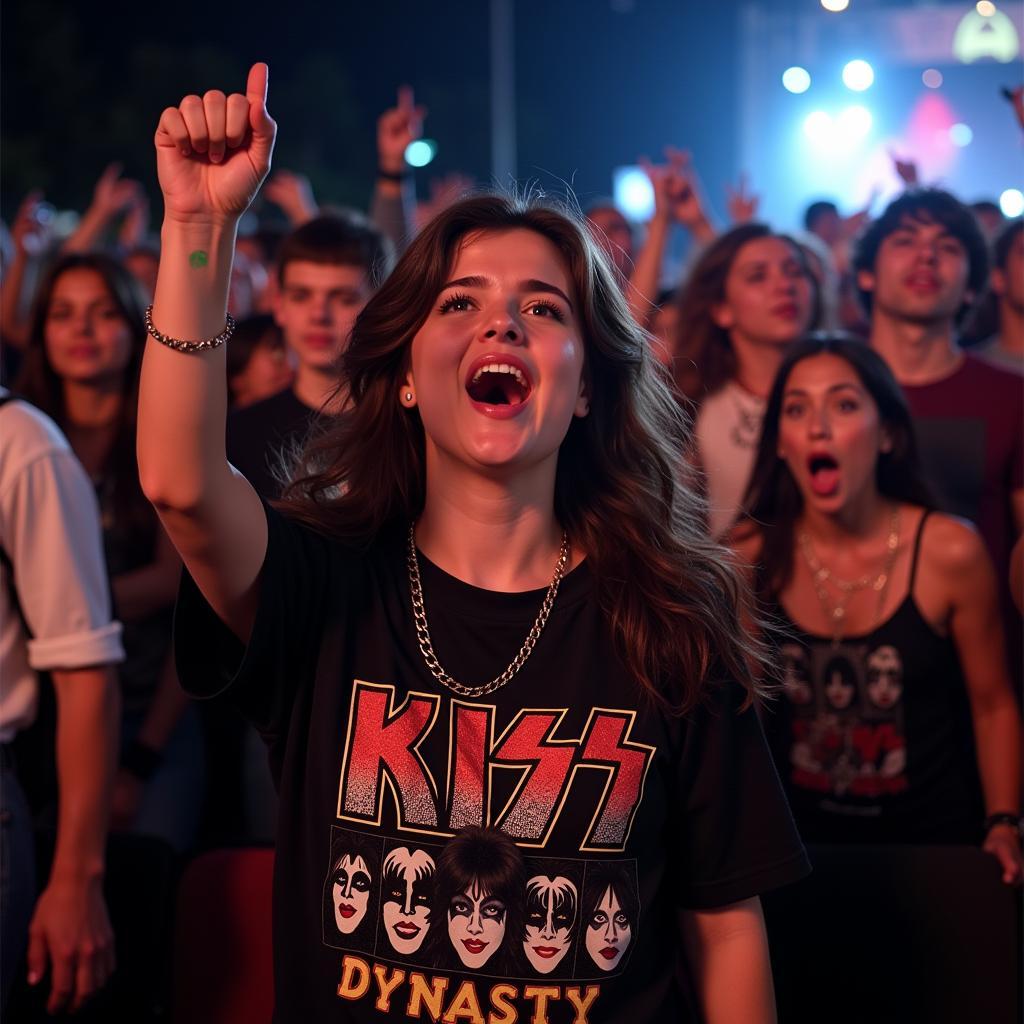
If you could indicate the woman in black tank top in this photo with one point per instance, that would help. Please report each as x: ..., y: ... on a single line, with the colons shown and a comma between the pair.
x: 896, y: 722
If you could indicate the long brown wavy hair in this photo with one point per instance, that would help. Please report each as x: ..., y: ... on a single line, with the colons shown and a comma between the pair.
x: 40, y: 384
x: 704, y: 357
x: 671, y: 596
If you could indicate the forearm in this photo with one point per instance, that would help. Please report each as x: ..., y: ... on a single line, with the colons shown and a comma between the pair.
x: 183, y: 396
x: 997, y: 736
x: 391, y: 210
x: 728, y: 955
x: 13, y: 328
x: 703, y: 231
x: 88, y: 232
x: 643, y: 283
x: 88, y: 721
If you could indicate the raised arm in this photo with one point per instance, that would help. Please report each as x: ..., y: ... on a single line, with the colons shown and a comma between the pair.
x: 212, y: 156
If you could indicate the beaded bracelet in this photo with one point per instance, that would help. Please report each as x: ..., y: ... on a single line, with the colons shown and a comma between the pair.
x: 189, y: 346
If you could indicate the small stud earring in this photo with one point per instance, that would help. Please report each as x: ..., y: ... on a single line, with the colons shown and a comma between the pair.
x: 408, y: 396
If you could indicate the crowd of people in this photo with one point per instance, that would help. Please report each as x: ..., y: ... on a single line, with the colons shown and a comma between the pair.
x: 783, y: 498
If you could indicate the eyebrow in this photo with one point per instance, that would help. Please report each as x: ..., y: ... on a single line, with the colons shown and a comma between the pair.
x: 532, y: 284
x: 832, y: 387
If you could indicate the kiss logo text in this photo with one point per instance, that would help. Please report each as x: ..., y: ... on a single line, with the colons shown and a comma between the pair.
x: 382, y: 750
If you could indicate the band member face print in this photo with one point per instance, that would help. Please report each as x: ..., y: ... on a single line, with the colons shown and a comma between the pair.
x: 476, y: 925
x: 796, y: 680
x: 885, y: 677
x: 608, y: 932
x: 408, y: 875
x: 551, y: 907
x: 840, y: 684
x: 350, y: 892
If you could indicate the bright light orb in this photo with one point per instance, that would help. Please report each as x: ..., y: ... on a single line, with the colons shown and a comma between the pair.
x: 1011, y: 202
x: 854, y: 123
x: 932, y: 78
x: 818, y: 126
x: 858, y: 75
x: 835, y: 5
x: 961, y: 135
x: 633, y: 193
x: 796, y: 79
x: 420, y: 152
x: 985, y: 8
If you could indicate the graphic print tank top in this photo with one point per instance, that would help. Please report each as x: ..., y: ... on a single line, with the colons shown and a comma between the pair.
x: 872, y: 735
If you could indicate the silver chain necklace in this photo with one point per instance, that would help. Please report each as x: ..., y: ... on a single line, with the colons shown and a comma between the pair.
x: 419, y: 613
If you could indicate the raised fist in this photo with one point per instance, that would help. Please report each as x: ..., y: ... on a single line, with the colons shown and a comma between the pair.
x: 396, y: 128
x: 212, y: 153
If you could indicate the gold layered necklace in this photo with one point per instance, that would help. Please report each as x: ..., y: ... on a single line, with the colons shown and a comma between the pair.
x: 822, y: 575
x: 419, y: 613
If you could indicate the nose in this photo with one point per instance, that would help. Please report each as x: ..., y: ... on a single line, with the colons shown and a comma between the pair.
x: 321, y: 308
x: 611, y: 933
x: 818, y: 425
x: 548, y: 931
x: 475, y: 924
x: 502, y: 326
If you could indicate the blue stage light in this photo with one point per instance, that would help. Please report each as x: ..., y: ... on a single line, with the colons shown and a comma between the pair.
x: 1011, y: 202
x: 420, y: 152
x: 854, y: 123
x: 633, y: 193
x: 818, y: 127
x: 961, y: 135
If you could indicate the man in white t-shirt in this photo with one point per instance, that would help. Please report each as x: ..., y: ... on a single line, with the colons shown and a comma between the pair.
x: 55, y: 616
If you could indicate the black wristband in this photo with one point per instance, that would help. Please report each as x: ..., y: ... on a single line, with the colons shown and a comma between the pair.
x: 141, y: 760
x: 396, y: 176
x: 1002, y: 818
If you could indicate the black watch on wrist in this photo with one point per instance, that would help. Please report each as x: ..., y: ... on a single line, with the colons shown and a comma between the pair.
x: 1003, y: 818
x: 396, y: 176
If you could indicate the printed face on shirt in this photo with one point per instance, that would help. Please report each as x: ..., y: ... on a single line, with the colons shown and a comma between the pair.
x: 350, y: 893
x: 885, y: 677
x: 796, y: 682
x: 476, y: 925
x: 608, y: 932
x: 550, y: 916
x: 840, y: 688
x: 408, y: 875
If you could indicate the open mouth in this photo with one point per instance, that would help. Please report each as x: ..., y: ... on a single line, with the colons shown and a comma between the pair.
x: 824, y: 472
x: 498, y: 383
x: 407, y: 931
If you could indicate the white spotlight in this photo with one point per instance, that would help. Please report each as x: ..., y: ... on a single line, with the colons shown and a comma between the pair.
x: 985, y: 8
x: 796, y: 79
x: 835, y: 5
x: 818, y: 127
x: 633, y: 192
x: 932, y: 78
x: 1011, y: 202
x: 858, y: 75
x: 853, y: 123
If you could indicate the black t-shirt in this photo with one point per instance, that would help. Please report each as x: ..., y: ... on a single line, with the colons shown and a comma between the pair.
x: 259, y: 435
x: 620, y: 814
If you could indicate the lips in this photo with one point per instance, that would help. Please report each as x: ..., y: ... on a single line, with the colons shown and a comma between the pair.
x: 346, y: 910
x: 923, y: 283
x: 474, y: 946
x: 318, y: 340
x: 609, y: 952
x: 407, y: 929
x: 787, y: 310
x: 546, y: 951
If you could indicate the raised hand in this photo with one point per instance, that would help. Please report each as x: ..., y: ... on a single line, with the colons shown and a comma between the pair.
x: 396, y: 128
x: 31, y: 229
x: 294, y: 194
x: 742, y: 204
x: 906, y: 169
x: 114, y: 194
x: 212, y: 153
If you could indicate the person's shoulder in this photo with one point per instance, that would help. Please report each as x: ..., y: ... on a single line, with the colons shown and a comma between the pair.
x: 951, y: 545
x: 27, y: 433
x: 990, y: 375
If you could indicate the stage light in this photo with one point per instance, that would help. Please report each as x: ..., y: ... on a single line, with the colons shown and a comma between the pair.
x: 835, y: 5
x: 420, y: 152
x: 1011, y: 202
x: 932, y: 78
x: 985, y: 8
x: 853, y: 124
x: 796, y: 79
x: 858, y: 75
x: 960, y: 135
x: 633, y: 193
x: 818, y: 127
